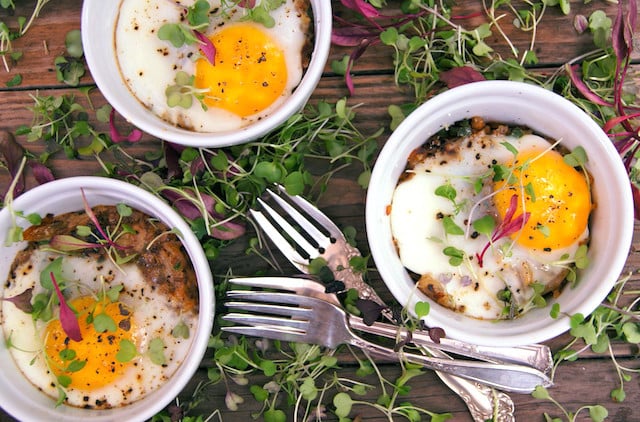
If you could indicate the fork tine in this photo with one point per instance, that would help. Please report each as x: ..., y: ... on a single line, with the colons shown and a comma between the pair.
x: 322, y: 239
x: 281, y: 243
x: 310, y: 249
x: 260, y: 320
x: 291, y: 284
x: 304, y: 302
x: 313, y: 212
x: 264, y: 308
x: 275, y: 333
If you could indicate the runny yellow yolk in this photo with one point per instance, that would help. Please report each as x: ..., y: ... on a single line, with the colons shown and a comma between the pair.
x: 98, y: 349
x: 249, y: 73
x: 560, y: 205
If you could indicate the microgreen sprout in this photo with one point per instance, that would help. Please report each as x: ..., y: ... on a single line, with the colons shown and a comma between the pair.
x: 182, y: 93
x: 508, y: 226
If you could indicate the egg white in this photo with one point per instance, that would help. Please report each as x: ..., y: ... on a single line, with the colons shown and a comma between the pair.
x: 149, y: 65
x: 153, y: 315
x: 418, y: 231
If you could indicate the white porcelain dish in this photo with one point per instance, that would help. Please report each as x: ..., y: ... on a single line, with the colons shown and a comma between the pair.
x: 18, y: 396
x: 98, y: 25
x: 611, y: 222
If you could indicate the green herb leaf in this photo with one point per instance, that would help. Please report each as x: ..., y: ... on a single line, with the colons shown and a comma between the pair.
x: 181, y: 330
x: 156, y: 351
x: 103, y: 323
x: 455, y: 255
x: 343, y: 404
x: 76, y: 365
x: 127, y: 351
x: 484, y: 225
x: 447, y: 191
x: 422, y: 309
x: 450, y: 227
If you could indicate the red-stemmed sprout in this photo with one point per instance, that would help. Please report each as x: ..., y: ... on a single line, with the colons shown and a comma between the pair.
x: 627, y: 140
x: 68, y: 318
x: 507, y: 227
x: 68, y: 243
x: 362, y: 36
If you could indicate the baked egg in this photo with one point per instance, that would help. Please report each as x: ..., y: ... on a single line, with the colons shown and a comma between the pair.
x: 489, y: 218
x: 134, y: 299
x: 253, y: 66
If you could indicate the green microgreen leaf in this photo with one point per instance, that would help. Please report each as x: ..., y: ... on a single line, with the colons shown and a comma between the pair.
x: 446, y: 191
x: 67, y: 354
x: 54, y: 267
x: 576, y: 158
x: 343, y: 404
x: 14, y: 81
x: 103, y: 323
x: 422, y: 309
x: 450, y: 226
x: 76, y: 365
x: 485, y: 225
x: 512, y: 149
x: 181, y: 330
x: 455, y: 255
x: 113, y: 294
x: 156, y: 351
x: 126, y: 352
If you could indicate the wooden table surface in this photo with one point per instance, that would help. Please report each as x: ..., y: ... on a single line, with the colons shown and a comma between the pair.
x: 587, y: 381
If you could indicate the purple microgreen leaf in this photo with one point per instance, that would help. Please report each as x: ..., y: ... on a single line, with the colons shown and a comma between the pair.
x: 12, y: 153
x: 22, y: 301
x: 134, y: 136
x: 436, y: 333
x: 228, y: 231
x: 351, y: 36
x: 583, y: 88
x: 41, y: 172
x: 636, y: 200
x: 460, y: 76
x: 614, y: 121
x: 362, y: 7
x: 67, y: 243
x: 580, y: 23
x: 371, y: 310
x: 172, y: 158
x: 207, y: 47
x: 622, y: 30
x: 186, y: 202
x: 247, y: 4
x: 68, y: 318
x: 333, y: 286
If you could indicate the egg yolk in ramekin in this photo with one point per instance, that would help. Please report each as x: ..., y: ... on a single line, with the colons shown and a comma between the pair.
x: 92, y: 362
x: 249, y: 72
x: 556, y: 195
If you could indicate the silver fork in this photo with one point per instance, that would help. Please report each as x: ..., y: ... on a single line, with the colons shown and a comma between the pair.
x: 483, y: 402
x: 537, y: 356
x: 305, y: 319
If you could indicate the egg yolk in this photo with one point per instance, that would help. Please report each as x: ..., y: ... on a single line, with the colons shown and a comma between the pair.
x: 98, y: 349
x: 249, y: 73
x: 556, y: 194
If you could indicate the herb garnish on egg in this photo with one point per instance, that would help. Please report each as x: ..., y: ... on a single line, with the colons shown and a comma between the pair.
x: 239, y: 60
x: 90, y: 327
x: 492, y: 218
